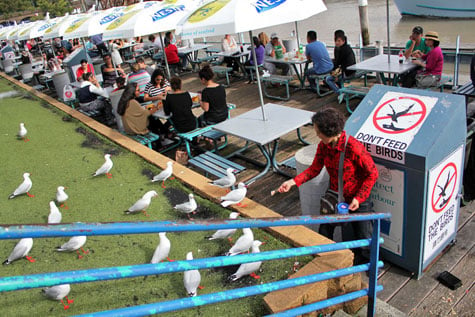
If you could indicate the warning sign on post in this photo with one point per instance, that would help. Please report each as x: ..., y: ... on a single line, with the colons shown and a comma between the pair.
x: 390, y: 128
x: 442, y: 204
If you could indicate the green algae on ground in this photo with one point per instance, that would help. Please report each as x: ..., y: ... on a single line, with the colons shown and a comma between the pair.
x: 65, y: 153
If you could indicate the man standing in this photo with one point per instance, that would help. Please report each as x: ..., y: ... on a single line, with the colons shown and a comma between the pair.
x: 317, y: 53
x: 416, y: 43
x: 96, y: 40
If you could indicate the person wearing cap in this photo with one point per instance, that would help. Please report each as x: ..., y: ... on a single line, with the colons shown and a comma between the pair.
x: 416, y: 43
x: 276, y: 50
x: 432, y: 62
x: 317, y: 53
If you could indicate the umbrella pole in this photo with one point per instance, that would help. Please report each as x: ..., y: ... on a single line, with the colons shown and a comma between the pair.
x: 387, y: 27
x: 258, y: 77
x: 165, y: 56
x: 297, y: 33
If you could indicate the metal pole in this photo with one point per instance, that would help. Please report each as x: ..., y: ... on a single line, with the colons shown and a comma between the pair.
x: 297, y: 33
x: 373, y: 268
x: 258, y: 77
x: 387, y: 27
x: 364, y: 21
x: 165, y: 56
x: 457, y: 60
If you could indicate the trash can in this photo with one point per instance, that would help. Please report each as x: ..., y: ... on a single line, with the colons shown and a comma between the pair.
x: 417, y: 140
x: 60, y: 79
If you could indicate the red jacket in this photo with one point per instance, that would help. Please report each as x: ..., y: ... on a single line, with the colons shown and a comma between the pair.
x: 172, y: 54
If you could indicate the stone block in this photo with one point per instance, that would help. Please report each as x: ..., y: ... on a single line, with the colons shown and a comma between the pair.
x: 352, y: 307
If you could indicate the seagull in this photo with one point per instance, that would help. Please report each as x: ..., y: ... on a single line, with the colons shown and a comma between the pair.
x: 24, y: 187
x: 225, y: 181
x: 54, y: 214
x: 235, y: 196
x: 162, y: 250
x: 61, y: 197
x: 191, y: 278
x: 58, y: 292
x: 21, y: 250
x: 164, y: 175
x: 243, y: 243
x: 143, y: 203
x: 187, y: 207
x: 22, y: 132
x: 105, y: 168
x: 224, y: 233
x: 249, y: 268
x: 74, y: 244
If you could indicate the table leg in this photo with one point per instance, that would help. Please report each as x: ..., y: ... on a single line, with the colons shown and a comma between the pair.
x: 267, y: 166
x: 299, y: 135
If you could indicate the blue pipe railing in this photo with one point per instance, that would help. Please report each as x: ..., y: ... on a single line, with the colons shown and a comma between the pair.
x: 49, y: 279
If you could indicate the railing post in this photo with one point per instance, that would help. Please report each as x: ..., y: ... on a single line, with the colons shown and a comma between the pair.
x: 373, y: 268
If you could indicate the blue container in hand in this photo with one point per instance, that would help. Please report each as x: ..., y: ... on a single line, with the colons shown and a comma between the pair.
x: 342, y: 208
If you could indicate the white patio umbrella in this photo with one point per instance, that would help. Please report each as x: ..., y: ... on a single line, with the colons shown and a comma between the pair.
x: 219, y: 17
x: 6, y: 30
x: 13, y: 34
x: 38, y: 29
x: 58, y: 29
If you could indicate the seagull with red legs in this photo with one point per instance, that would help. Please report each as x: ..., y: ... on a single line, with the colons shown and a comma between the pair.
x: 105, y: 168
x: 74, y: 244
x: 243, y: 244
x: 22, y: 132
x: 58, y: 292
x: 225, y: 233
x: 21, y: 250
x: 164, y: 175
x: 188, y: 207
x: 24, y: 187
x: 249, y: 268
x: 235, y: 196
x: 191, y: 279
x: 162, y: 250
x: 62, y: 197
x: 226, y: 181
x: 142, y: 204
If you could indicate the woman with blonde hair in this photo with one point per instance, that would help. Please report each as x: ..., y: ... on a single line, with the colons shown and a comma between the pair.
x: 263, y: 38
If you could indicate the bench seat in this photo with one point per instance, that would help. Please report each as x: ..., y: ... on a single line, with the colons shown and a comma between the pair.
x: 277, y: 79
x: 214, y: 164
x: 223, y: 70
x: 353, y: 92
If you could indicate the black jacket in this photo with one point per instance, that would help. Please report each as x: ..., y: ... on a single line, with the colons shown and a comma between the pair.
x: 344, y: 57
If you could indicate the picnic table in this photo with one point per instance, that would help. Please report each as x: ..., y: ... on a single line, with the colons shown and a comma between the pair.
x: 300, y: 62
x: 192, y: 51
x: 239, y: 56
x: 250, y: 127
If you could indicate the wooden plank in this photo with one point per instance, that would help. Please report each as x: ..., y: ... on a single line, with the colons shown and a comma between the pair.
x: 465, y: 307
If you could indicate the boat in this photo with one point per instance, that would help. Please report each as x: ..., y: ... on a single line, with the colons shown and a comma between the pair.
x: 462, y: 9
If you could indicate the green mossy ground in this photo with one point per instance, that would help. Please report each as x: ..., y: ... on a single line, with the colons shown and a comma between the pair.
x: 63, y: 152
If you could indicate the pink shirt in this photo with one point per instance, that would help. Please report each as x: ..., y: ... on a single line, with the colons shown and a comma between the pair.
x: 434, y: 61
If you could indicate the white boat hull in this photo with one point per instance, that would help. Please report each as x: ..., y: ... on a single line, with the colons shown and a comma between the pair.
x: 437, y: 8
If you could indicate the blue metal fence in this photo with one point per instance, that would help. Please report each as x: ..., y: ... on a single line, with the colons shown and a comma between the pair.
x: 101, y: 274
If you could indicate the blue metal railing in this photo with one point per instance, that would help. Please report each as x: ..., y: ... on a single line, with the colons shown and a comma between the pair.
x: 101, y: 274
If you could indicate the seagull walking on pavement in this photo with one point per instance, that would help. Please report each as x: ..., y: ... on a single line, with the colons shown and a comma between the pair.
x: 164, y: 175
x: 54, y: 214
x: 61, y: 197
x: 225, y: 181
x: 58, y: 292
x: 24, y: 187
x: 143, y: 203
x: 235, y: 196
x: 191, y: 279
x: 74, y: 244
x: 249, y: 268
x: 22, y: 132
x: 21, y: 249
x: 243, y: 244
x: 105, y: 168
x: 224, y: 233
x: 162, y: 250
x: 187, y: 207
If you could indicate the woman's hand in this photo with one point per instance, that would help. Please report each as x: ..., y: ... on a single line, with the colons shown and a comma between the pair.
x: 355, y: 204
x: 286, y: 186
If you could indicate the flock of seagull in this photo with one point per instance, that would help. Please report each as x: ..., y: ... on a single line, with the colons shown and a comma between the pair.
x: 192, y: 278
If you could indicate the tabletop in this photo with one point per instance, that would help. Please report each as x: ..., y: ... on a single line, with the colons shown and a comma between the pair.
x: 293, y: 60
x: 379, y: 63
x: 280, y: 121
x: 195, y: 47
x: 235, y: 54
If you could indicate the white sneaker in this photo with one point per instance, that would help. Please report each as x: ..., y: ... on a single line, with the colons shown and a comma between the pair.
x: 341, y: 97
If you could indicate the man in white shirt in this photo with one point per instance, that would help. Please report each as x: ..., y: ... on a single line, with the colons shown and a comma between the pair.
x: 93, y: 97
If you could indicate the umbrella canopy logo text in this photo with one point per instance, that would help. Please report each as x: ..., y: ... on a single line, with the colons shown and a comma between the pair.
x: 163, y: 13
x: 265, y: 5
x: 110, y: 17
x: 207, y: 10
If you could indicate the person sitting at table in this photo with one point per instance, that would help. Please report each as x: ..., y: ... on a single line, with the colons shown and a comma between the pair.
x: 141, y: 77
x: 156, y: 89
x: 171, y: 51
x: 84, y: 68
x: 120, y: 84
x: 109, y: 72
x: 317, y: 53
x: 344, y: 57
x: 172, y: 39
x: 26, y: 57
x: 89, y: 95
x: 50, y: 62
x: 91, y: 49
x: 260, y: 52
x: 149, y: 69
x: 99, y: 44
x: 229, y: 46
x: 432, y: 62
x: 116, y: 57
x: 213, y: 99
x: 178, y: 104
x: 416, y: 43
x: 276, y: 49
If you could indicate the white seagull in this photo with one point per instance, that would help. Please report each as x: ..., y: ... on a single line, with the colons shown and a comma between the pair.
x: 21, y: 249
x: 187, y: 207
x: 224, y: 233
x: 74, y: 244
x: 243, y: 243
x: 191, y: 278
x: 143, y: 203
x: 249, y: 268
x: 61, y: 197
x: 54, y: 214
x: 105, y: 168
x: 225, y: 181
x: 24, y: 187
x: 22, y: 132
x: 235, y: 196
x: 162, y: 250
x: 58, y: 292
x: 164, y: 175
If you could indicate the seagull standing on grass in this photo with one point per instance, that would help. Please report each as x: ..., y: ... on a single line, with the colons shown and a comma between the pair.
x: 191, y: 279
x: 61, y: 197
x: 21, y: 249
x: 58, y: 292
x: 164, y: 175
x: 225, y: 233
x: 162, y: 250
x: 243, y: 243
x: 54, y: 214
x: 74, y: 244
x: 187, y: 207
x: 225, y: 181
x: 143, y: 203
x: 249, y: 268
x: 24, y: 187
x: 105, y: 168
x: 235, y: 196
x: 22, y: 132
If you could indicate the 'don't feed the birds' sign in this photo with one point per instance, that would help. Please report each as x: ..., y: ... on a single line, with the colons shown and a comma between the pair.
x: 392, y: 125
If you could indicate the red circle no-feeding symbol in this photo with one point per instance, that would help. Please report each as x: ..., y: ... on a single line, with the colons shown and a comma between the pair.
x: 397, y: 120
x: 450, y: 171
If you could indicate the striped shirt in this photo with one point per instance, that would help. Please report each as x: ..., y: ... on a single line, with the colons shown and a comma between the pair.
x: 141, y: 78
x: 153, y: 91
